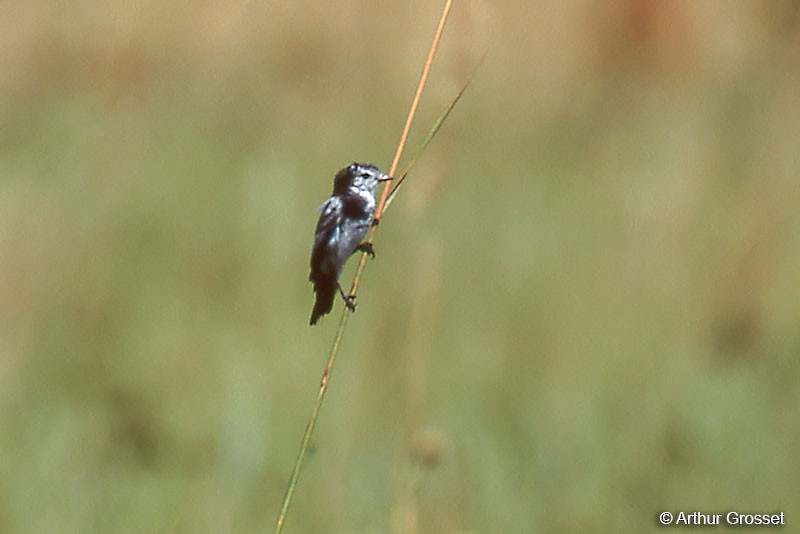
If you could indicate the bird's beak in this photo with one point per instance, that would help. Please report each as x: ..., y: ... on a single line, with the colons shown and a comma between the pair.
x: 385, y: 178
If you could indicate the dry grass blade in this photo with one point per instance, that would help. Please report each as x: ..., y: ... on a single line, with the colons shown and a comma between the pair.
x: 287, y: 499
x: 414, y: 104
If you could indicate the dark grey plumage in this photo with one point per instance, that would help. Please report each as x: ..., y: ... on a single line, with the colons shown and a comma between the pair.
x: 343, y: 223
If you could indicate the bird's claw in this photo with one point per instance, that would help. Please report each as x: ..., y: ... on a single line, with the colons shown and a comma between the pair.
x: 367, y: 248
x: 349, y: 300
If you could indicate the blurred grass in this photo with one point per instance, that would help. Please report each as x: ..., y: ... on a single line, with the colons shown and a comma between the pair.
x: 584, y: 308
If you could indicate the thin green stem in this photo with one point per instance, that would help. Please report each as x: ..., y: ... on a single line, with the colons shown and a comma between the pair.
x: 323, y: 387
x: 312, y: 420
x: 431, y: 134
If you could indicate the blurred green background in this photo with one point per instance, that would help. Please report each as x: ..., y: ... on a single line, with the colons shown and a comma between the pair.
x: 585, y: 307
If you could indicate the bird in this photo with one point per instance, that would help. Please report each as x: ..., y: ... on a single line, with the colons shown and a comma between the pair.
x: 343, y: 222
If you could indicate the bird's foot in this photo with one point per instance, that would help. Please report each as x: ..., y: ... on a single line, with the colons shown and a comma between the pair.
x: 367, y: 248
x: 349, y: 300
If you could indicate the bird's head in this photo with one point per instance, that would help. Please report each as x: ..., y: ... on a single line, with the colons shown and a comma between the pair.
x: 358, y: 176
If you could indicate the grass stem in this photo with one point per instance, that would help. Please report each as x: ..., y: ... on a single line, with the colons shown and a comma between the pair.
x: 337, y: 340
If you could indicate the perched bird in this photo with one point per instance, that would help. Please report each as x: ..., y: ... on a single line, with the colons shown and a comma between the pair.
x: 343, y: 223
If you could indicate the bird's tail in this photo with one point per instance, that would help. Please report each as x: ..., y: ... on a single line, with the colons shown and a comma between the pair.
x: 326, y: 293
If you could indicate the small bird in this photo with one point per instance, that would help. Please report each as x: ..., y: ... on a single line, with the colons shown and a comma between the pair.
x: 343, y: 223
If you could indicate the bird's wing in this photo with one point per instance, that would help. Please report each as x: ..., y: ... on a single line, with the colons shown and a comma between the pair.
x: 329, y: 218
